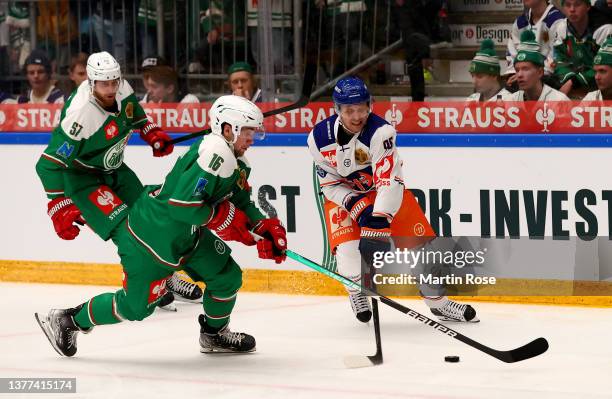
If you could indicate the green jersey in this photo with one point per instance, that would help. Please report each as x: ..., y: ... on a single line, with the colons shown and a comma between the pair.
x: 89, y: 138
x: 206, y: 175
x: 574, y: 56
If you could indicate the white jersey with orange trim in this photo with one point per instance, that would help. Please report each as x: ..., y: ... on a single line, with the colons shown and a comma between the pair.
x: 369, y: 161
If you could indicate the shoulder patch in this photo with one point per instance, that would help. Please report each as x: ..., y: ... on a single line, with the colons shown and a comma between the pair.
x: 65, y: 150
x: 323, y: 132
x: 82, y: 120
x: 125, y: 90
x: 374, y: 123
x: 200, y: 186
x: 216, y: 157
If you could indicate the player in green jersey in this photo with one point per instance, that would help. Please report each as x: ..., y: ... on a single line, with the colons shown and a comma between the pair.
x: 82, y: 169
x: 169, y: 229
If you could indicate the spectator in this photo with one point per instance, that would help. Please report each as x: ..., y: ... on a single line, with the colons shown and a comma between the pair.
x: 162, y: 85
x: 56, y: 25
x: 346, y: 32
x: 417, y: 22
x: 540, y: 17
x: 77, y: 71
x: 37, y: 69
x: 109, y: 25
x: 147, y: 65
x: 241, y: 81
x: 6, y: 99
x: 282, y: 35
x: 485, y: 70
x: 223, y: 24
x: 529, y: 67
x: 602, y: 64
x: 576, y: 41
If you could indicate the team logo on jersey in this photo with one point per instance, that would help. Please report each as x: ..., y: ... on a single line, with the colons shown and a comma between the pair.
x: 129, y: 110
x: 111, y: 130
x: 105, y: 199
x: 219, y: 247
x: 65, y: 150
x: 200, y: 186
x: 157, y: 289
x: 330, y: 156
x: 114, y: 156
x: 242, y: 182
x: 339, y: 218
x: 363, y: 182
x: 383, y: 171
x: 347, y: 163
x: 361, y: 156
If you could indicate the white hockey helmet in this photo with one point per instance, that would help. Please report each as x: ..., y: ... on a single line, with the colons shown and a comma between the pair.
x: 102, y: 66
x: 238, y: 112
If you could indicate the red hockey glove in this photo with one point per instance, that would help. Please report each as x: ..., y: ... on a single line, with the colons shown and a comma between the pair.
x: 274, y: 241
x: 230, y: 224
x: 157, y: 139
x: 64, y: 214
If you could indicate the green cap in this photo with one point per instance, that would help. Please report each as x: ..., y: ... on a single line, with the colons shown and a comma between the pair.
x: 604, y: 55
x: 486, y: 60
x: 239, y: 66
x: 529, y: 49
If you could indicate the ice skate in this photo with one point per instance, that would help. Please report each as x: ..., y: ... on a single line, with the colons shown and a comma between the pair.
x: 167, y: 302
x: 223, y: 340
x: 455, y: 311
x: 361, y: 307
x: 183, y: 290
x: 61, y: 330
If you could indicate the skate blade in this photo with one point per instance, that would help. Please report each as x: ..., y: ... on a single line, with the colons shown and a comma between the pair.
x: 220, y: 351
x: 44, y: 325
x: 356, y: 361
x: 169, y: 308
x: 179, y: 298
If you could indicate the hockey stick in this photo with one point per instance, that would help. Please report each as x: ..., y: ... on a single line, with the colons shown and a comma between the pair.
x: 357, y: 361
x: 531, y: 349
x: 307, y: 84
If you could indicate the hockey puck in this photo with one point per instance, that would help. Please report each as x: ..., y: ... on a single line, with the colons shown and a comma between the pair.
x: 451, y: 359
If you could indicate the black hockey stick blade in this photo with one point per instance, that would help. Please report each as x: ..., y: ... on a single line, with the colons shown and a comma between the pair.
x: 532, y: 349
x: 307, y: 85
x: 527, y: 351
x: 356, y: 361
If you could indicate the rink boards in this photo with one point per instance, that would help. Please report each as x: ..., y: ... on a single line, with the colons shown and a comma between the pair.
x: 498, y: 180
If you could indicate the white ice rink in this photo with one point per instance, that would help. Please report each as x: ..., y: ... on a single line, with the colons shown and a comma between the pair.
x: 301, y: 341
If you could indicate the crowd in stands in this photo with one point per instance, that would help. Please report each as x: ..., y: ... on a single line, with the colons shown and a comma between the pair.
x: 552, y: 53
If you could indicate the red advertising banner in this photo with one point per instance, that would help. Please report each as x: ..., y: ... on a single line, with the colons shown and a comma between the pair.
x: 407, y: 117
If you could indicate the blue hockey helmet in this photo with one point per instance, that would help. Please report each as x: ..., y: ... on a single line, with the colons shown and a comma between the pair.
x: 350, y: 90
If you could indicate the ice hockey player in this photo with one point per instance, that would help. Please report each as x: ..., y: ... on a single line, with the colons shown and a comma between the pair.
x: 603, y: 74
x: 360, y: 174
x: 529, y: 66
x: 485, y: 70
x: 169, y: 229
x: 82, y: 169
